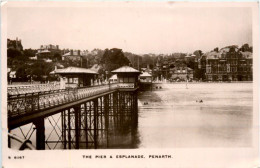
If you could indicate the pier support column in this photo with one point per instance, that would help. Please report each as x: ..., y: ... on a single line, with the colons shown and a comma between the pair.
x: 69, y: 128
x: 86, y: 122
x: 64, y: 127
x: 9, y: 140
x: 95, y: 123
x: 115, y: 106
x: 40, y: 133
x: 135, y: 109
x: 77, y: 125
x: 106, y: 113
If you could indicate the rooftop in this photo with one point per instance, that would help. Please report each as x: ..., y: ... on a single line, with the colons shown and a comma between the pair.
x: 113, y: 76
x: 247, y: 54
x: 43, y: 51
x: 217, y: 55
x: 96, y: 67
x: 213, y: 55
x: 145, y: 74
x: 124, y: 69
x: 12, y: 72
x: 68, y: 53
x: 74, y: 70
x: 73, y: 54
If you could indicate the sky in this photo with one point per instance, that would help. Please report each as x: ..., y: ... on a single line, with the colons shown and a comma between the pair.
x: 140, y: 29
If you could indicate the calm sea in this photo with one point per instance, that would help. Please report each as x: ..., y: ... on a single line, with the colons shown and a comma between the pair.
x: 175, y: 117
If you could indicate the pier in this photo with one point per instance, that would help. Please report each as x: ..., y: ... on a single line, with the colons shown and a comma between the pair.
x: 87, y: 115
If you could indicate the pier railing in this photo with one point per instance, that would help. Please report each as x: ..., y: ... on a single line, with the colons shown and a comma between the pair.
x: 23, y: 89
x: 23, y: 104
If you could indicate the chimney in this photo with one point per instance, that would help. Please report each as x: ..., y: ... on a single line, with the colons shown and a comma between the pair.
x: 57, y: 47
x: 55, y: 68
x: 78, y: 52
x: 71, y: 52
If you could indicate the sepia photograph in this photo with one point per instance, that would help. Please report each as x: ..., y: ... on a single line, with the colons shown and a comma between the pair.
x: 138, y: 84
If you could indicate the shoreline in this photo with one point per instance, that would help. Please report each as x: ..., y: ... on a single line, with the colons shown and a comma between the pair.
x: 203, y: 82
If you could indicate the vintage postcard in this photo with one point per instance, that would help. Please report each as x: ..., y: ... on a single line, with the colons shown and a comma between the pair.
x: 130, y: 84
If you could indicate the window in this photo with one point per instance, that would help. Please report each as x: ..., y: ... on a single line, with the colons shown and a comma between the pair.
x: 131, y: 80
x: 70, y: 80
x: 75, y: 80
x: 125, y: 80
x: 183, y: 71
x: 208, y: 70
x: 121, y: 80
x: 228, y: 68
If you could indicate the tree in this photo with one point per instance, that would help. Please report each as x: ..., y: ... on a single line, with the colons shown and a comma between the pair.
x: 136, y: 60
x: 251, y: 49
x: 232, y: 50
x: 113, y: 59
x: 21, y: 72
x: 13, y: 53
x: 57, y: 57
x: 40, y: 69
x: 245, y: 48
x: 198, y: 53
x: 29, y: 52
x: 147, y: 60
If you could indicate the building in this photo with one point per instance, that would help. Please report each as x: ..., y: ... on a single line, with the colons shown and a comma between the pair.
x: 146, y: 77
x: 15, y: 44
x: 73, y: 55
x: 96, y: 67
x: 13, y: 74
x: 76, y: 77
x: 229, y: 64
x: 182, y: 73
x: 127, y: 77
x: 49, y: 47
x: 113, y: 78
x: 47, y: 52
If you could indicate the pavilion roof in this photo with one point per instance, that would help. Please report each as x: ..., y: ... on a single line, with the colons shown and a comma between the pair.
x: 113, y: 76
x: 74, y: 70
x: 125, y: 69
x: 145, y: 74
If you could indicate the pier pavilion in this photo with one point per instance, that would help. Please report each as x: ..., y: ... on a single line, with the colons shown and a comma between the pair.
x: 146, y: 77
x: 76, y: 77
x: 127, y: 77
x: 146, y: 81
